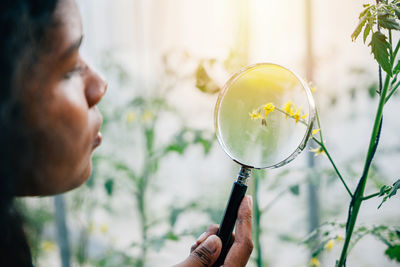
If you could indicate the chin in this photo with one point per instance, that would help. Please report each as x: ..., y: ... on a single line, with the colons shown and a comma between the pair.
x: 56, y: 184
x: 81, y: 178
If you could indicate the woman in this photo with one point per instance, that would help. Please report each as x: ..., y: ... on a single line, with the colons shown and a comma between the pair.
x: 50, y: 123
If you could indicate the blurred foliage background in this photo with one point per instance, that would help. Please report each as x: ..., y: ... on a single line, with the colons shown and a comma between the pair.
x: 160, y: 178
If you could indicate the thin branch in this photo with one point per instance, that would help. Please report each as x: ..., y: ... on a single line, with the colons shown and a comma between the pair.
x: 375, y: 194
x: 392, y: 92
x: 333, y: 164
x: 319, y: 126
x: 273, y: 201
x: 396, y: 50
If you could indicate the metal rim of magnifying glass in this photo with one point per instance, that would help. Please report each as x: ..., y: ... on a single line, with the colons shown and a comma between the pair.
x: 311, y: 117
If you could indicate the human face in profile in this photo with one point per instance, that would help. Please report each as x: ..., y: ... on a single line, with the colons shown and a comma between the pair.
x: 59, y: 95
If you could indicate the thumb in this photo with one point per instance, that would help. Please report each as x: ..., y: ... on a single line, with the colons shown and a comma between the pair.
x: 205, y: 254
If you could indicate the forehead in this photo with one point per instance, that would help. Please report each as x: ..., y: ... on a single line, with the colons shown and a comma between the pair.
x: 68, y: 26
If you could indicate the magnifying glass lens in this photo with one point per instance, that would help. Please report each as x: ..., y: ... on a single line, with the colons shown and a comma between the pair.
x: 263, y: 116
x: 263, y: 119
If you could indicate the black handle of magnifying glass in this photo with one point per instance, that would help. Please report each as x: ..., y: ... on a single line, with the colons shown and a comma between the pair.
x: 228, y: 222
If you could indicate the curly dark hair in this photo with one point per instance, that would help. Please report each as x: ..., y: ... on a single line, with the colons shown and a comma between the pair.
x: 23, y: 27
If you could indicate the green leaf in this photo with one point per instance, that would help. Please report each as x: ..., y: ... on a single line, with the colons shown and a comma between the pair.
x: 359, y: 27
x: 109, y: 186
x: 138, y: 101
x: 178, y: 144
x: 179, y: 148
x: 173, y: 216
x: 396, y: 69
x: 295, y: 189
x: 380, y: 48
x: 388, y: 21
x: 364, y: 12
x: 204, y: 82
x: 391, y: 193
x: 172, y: 236
x: 372, y: 89
x: 206, y: 144
x: 367, y: 30
x: 383, y: 190
x: 393, y: 252
x: 396, y: 10
x: 149, y: 139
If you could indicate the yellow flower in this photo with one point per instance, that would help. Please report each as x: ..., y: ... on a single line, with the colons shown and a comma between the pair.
x: 315, y: 131
x: 312, y: 87
x: 339, y: 238
x: 269, y: 107
x: 147, y: 116
x: 318, y: 151
x: 48, y: 246
x: 255, y: 115
x: 314, y: 262
x: 329, y: 245
x: 288, y: 108
x: 131, y: 117
x: 297, y: 115
x: 104, y: 228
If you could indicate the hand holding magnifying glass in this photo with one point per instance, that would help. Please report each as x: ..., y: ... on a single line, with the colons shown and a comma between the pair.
x: 263, y: 119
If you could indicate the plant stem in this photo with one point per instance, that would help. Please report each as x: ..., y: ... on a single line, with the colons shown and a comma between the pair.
x: 333, y: 164
x: 396, y: 50
x: 391, y: 49
x: 358, y: 194
x: 273, y: 201
x: 319, y: 126
x: 375, y: 194
x: 392, y: 91
x: 142, y: 190
x: 370, y: 196
x: 257, y: 221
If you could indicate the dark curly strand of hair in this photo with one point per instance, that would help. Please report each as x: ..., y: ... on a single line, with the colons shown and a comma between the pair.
x: 23, y: 26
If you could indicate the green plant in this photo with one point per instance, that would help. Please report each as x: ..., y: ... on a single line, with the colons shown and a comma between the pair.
x: 376, y: 21
x: 139, y: 119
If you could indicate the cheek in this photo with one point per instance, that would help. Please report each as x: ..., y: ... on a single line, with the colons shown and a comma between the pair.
x: 70, y: 115
x: 71, y: 122
x: 64, y: 137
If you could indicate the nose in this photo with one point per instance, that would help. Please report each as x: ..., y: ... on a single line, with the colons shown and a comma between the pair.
x: 96, y: 87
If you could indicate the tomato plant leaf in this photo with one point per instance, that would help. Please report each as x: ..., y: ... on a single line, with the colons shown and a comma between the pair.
x: 380, y: 48
x: 204, y: 82
x: 396, y: 10
x: 295, y: 189
x: 359, y: 27
x: 396, y: 69
x: 393, y: 253
x: 109, y: 186
x: 388, y: 21
x: 367, y: 30
x: 383, y: 190
x: 389, y: 194
x: 393, y: 191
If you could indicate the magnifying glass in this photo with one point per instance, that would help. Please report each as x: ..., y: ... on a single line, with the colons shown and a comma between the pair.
x: 263, y: 119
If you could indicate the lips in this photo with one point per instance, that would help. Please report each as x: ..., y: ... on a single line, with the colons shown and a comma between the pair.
x: 97, y: 140
x: 98, y: 137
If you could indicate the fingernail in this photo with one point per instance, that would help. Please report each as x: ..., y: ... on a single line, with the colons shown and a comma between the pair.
x: 212, y: 243
x: 201, y: 238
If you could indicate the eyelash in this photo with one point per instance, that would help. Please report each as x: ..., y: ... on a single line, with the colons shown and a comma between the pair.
x: 79, y: 69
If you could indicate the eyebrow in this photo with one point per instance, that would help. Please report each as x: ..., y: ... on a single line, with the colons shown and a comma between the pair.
x: 73, y: 48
